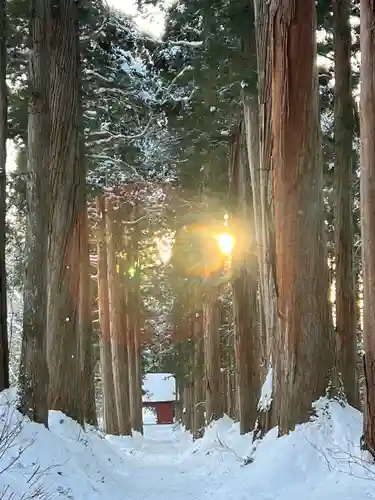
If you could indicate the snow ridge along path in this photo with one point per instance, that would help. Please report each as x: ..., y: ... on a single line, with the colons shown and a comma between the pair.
x: 321, y: 460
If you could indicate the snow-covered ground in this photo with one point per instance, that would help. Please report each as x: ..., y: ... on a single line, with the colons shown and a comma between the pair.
x: 321, y: 460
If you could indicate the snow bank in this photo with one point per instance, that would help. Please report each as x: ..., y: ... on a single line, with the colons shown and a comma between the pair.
x: 320, y: 460
x: 63, y: 462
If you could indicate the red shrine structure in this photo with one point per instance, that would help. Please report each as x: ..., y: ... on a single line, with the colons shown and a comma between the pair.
x: 160, y: 395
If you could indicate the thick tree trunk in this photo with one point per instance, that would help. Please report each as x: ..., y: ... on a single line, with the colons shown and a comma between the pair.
x: 178, y: 403
x: 368, y: 211
x: 85, y: 321
x: 33, y: 377
x: 188, y: 399
x: 118, y: 332
x: 131, y: 292
x: 185, y: 407
x: 211, y: 314
x: 257, y: 114
x: 65, y: 390
x: 244, y: 287
x: 136, y: 325
x: 110, y: 420
x: 232, y: 396
x: 4, y: 351
x: 229, y: 389
x: 132, y: 362
x: 303, y: 339
x: 344, y: 262
x: 198, y: 404
x: 127, y: 314
x: 137, y: 338
x: 257, y: 117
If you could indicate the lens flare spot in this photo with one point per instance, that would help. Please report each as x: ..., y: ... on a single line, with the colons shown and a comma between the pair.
x: 226, y: 243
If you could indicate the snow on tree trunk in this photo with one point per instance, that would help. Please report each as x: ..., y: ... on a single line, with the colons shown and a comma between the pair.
x: 303, y: 338
x: 110, y: 420
x: 368, y: 210
x: 33, y: 375
x: 118, y: 333
x: 344, y: 262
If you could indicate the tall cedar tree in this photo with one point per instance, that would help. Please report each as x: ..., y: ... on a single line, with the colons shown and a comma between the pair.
x: 33, y: 368
x: 110, y: 419
x: 368, y: 210
x: 132, y: 319
x: 257, y: 114
x: 117, y: 327
x: 198, y: 423
x: 4, y: 353
x: 244, y: 287
x: 85, y: 308
x: 345, y: 289
x: 211, y: 326
x: 64, y: 240
x: 302, y: 341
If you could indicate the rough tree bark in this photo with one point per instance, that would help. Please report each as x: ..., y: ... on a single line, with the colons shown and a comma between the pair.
x: 211, y: 314
x: 4, y: 351
x: 65, y: 391
x: 127, y: 313
x: 85, y: 321
x: 303, y: 339
x: 135, y: 319
x: 346, y: 340
x: 257, y: 114
x: 367, y: 103
x: 131, y: 349
x: 198, y: 363
x: 257, y: 102
x: 187, y: 400
x: 177, y: 408
x: 110, y: 420
x: 244, y: 287
x: 131, y: 314
x: 33, y: 377
x: 118, y: 332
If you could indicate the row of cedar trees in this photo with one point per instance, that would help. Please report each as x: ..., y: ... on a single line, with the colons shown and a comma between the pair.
x: 57, y: 363
x: 118, y: 274
x: 280, y: 285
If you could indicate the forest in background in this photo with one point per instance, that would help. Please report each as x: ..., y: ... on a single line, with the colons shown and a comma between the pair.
x: 200, y: 205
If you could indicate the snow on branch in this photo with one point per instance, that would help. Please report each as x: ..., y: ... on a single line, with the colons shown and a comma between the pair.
x: 186, y: 43
x: 91, y: 72
x: 177, y: 77
x: 95, y: 34
x: 121, y: 137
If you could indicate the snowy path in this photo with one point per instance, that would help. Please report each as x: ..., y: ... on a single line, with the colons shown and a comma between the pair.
x: 163, y: 469
x: 321, y: 460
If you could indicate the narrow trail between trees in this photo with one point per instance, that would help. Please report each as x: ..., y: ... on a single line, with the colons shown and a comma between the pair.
x: 164, y: 467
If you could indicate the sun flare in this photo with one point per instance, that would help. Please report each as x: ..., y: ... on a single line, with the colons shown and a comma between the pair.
x: 226, y: 243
